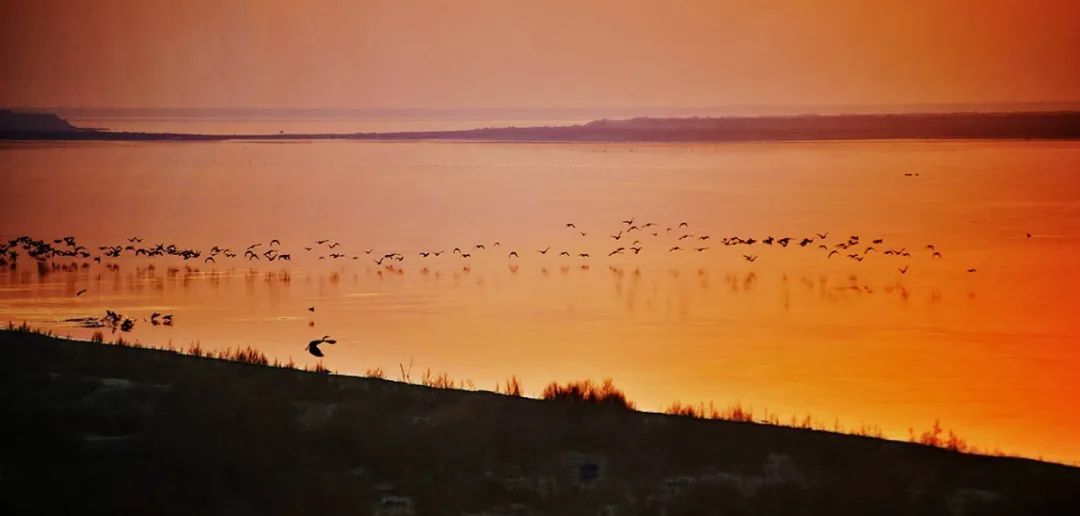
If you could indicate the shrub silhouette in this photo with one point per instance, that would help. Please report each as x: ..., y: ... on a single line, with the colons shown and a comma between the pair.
x: 586, y: 391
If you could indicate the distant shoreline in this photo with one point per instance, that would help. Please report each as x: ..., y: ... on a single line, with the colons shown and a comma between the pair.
x: 1064, y: 125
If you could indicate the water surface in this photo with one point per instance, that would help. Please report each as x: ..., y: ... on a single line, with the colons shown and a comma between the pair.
x: 992, y: 353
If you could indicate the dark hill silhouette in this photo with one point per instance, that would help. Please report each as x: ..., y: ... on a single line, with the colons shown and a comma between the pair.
x: 108, y: 429
x: 14, y: 122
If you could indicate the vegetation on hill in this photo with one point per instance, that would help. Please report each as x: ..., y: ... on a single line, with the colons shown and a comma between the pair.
x: 92, y: 428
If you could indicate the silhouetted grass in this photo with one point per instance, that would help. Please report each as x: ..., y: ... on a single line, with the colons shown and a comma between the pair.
x: 376, y: 372
x: 935, y: 437
x: 512, y: 387
x: 585, y: 391
x: 735, y: 412
x: 318, y: 368
x: 443, y: 381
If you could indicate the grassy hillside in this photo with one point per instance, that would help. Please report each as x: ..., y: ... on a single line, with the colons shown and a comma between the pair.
x: 92, y: 428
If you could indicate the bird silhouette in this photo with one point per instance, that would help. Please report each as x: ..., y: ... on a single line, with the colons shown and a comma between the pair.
x: 311, y: 308
x: 571, y: 225
x: 81, y: 292
x: 749, y: 257
x: 903, y: 270
x: 676, y: 248
x: 544, y: 250
x: 513, y: 254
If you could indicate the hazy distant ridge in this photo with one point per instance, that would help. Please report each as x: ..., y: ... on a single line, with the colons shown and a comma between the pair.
x: 826, y: 127
x: 1019, y: 125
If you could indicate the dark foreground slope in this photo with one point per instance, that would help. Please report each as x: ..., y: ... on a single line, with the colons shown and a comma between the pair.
x: 91, y: 428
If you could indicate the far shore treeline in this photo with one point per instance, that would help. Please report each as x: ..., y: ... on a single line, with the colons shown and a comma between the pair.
x: 16, y: 125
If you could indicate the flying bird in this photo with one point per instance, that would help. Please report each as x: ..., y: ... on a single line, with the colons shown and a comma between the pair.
x: 81, y: 292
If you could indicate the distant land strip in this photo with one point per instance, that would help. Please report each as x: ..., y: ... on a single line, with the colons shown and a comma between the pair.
x: 1020, y: 125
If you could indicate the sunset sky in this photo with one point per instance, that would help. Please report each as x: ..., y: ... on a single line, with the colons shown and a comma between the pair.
x: 498, y: 54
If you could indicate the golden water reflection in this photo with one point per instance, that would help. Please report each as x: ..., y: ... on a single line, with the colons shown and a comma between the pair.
x: 992, y: 353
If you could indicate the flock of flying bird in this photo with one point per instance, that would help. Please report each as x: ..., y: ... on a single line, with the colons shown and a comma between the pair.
x: 630, y: 237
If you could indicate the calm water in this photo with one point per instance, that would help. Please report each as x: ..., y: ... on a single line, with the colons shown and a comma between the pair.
x: 994, y: 354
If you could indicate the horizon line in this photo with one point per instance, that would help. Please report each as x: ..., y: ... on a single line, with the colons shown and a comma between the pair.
x: 623, y: 111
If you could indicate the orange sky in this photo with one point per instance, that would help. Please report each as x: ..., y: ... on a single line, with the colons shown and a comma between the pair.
x: 363, y: 54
